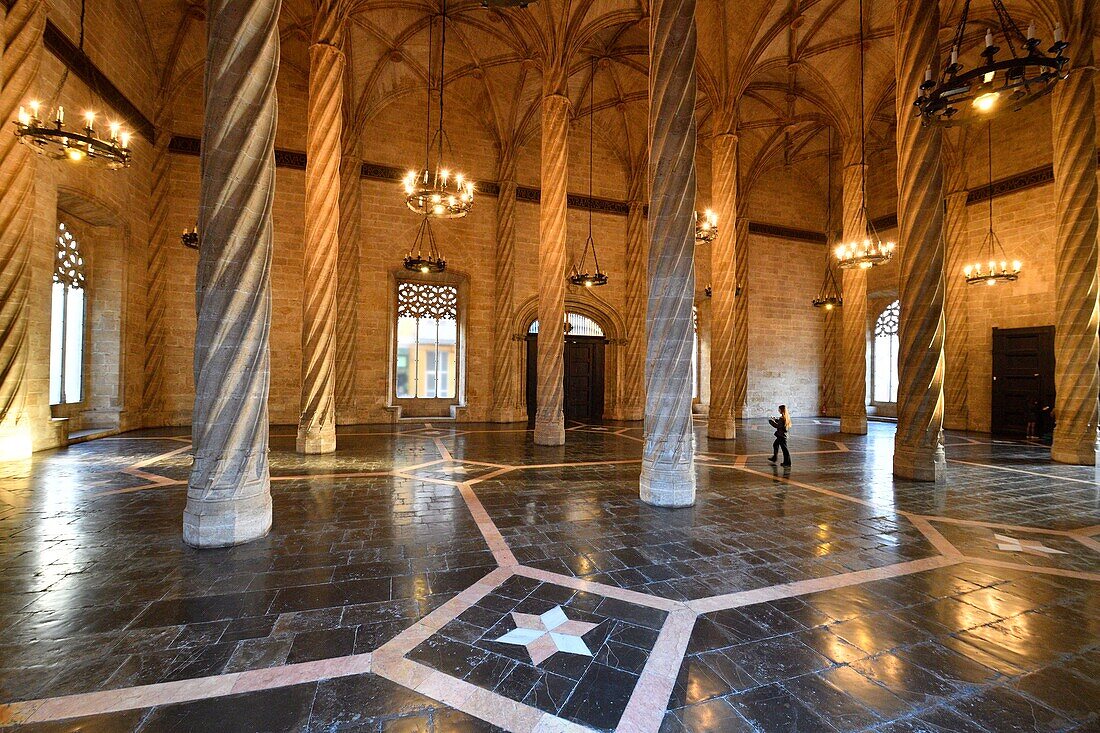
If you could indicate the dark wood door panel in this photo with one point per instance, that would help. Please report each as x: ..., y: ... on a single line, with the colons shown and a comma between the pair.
x: 1023, y: 380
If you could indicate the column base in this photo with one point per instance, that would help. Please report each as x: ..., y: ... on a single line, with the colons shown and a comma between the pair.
x: 923, y: 464
x: 853, y: 424
x: 550, y: 433
x: 671, y: 487
x: 721, y: 428
x: 15, y: 441
x: 208, y: 524
x: 1074, y: 449
x: 312, y: 442
x: 513, y: 413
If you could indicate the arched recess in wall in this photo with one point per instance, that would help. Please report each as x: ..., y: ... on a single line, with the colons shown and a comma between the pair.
x: 589, y: 305
x: 426, y: 367
x: 103, y: 236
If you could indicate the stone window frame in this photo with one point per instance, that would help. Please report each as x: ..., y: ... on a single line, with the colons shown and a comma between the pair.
x: 429, y: 407
x: 892, y: 312
x: 73, y: 275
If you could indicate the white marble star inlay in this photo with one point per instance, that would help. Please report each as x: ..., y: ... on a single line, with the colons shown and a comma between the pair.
x: 1011, y: 544
x: 546, y: 635
x: 458, y: 469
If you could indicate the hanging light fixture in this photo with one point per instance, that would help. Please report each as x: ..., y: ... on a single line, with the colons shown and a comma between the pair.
x: 190, y: 238
x: 992, y: 86
x: 870, y: 250
x: 44, y: 129
x: 829, y: 296
x: 706, y: 227
x: 999, y: 268
x: 424, y: 255
x: 436, y: 191
x: 578, y: 274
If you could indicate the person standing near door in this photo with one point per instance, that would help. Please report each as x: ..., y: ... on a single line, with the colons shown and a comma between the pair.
x: 782, y: 424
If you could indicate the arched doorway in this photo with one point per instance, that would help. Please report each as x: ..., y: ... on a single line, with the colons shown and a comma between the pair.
x: 585, y: 343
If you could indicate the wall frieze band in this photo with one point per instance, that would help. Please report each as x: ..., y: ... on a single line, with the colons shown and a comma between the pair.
x: 296, y: 160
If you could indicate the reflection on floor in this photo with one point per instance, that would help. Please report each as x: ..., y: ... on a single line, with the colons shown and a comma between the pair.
x: 443, y: 577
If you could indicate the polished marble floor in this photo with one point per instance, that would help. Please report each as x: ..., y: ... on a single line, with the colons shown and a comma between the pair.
x: 443, y: 577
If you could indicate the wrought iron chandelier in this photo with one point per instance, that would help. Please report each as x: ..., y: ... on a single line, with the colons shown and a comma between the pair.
x: 871, y: 250
x: 999, y: 268
x: 991, y: 87
x: 424, y: 255
x: 706, y: 227
x: 828, y: 297
x: 579, y: 274
x: 48, y: 135
x: 436, y: 191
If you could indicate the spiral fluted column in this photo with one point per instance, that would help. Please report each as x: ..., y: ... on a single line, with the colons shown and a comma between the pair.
x: 668, y: 474
x: 317, y: 421
x: 228, y: 493
x: 741, y: 321
x: 830, y: 366
x: 550, y: 415
x: 506, y: 401
x: 22, y: 56
x: 632, y: 401
x: 347, y: 290
x: 918, y: 443
x: 723, y: 267
x: 161, y: 239
x: 1073, y: 109
x: 853, y: 316
x: 956, y: 313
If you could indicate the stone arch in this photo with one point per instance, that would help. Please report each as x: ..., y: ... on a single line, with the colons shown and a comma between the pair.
x: 588, y: 304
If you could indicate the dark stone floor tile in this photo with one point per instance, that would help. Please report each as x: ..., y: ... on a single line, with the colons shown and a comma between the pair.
x: 713, y: 715
x: 313, y: 645
x: 872, y: 696
x: 830, y: 703
x: 905, y: 679
x: 346, y: 703
x: 772, y: 708
x: 122, y: 722
x: 600, y: 697
x: 1006, y: 711
x: 268, y: 711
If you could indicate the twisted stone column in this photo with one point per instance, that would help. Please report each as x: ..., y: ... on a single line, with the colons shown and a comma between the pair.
x: 347, y: 290
x: 668, y: 473
x: 723, y: 267
x: 550, y: 415
x: 853, y: 316
x: 957, y: 313
x: 228, y: 494
x: 741, y: 321
x: 829, y: 362
x: 632, y: 402
x: 160, y: 242
x: 317, y: 423
x: 918, y: 443
x: 506, y: 402
x: 22, y: 57
x: 1073, y: 108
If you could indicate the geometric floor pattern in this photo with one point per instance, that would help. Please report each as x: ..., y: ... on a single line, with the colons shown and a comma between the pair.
x: 442, y: 576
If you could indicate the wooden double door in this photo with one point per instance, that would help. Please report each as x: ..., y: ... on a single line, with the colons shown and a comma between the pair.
x: 584, y: 377
x: 1023, y: 380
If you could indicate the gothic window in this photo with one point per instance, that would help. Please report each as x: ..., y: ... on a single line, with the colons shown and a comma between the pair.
x: 576, y: 325
x: 427, y: 340
x: 694, y: 353
x: 884, y: 378
x: 67, y: 321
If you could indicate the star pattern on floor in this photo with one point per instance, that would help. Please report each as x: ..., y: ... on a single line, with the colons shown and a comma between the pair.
x: 1011, y: 544
x: 547, y: 634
